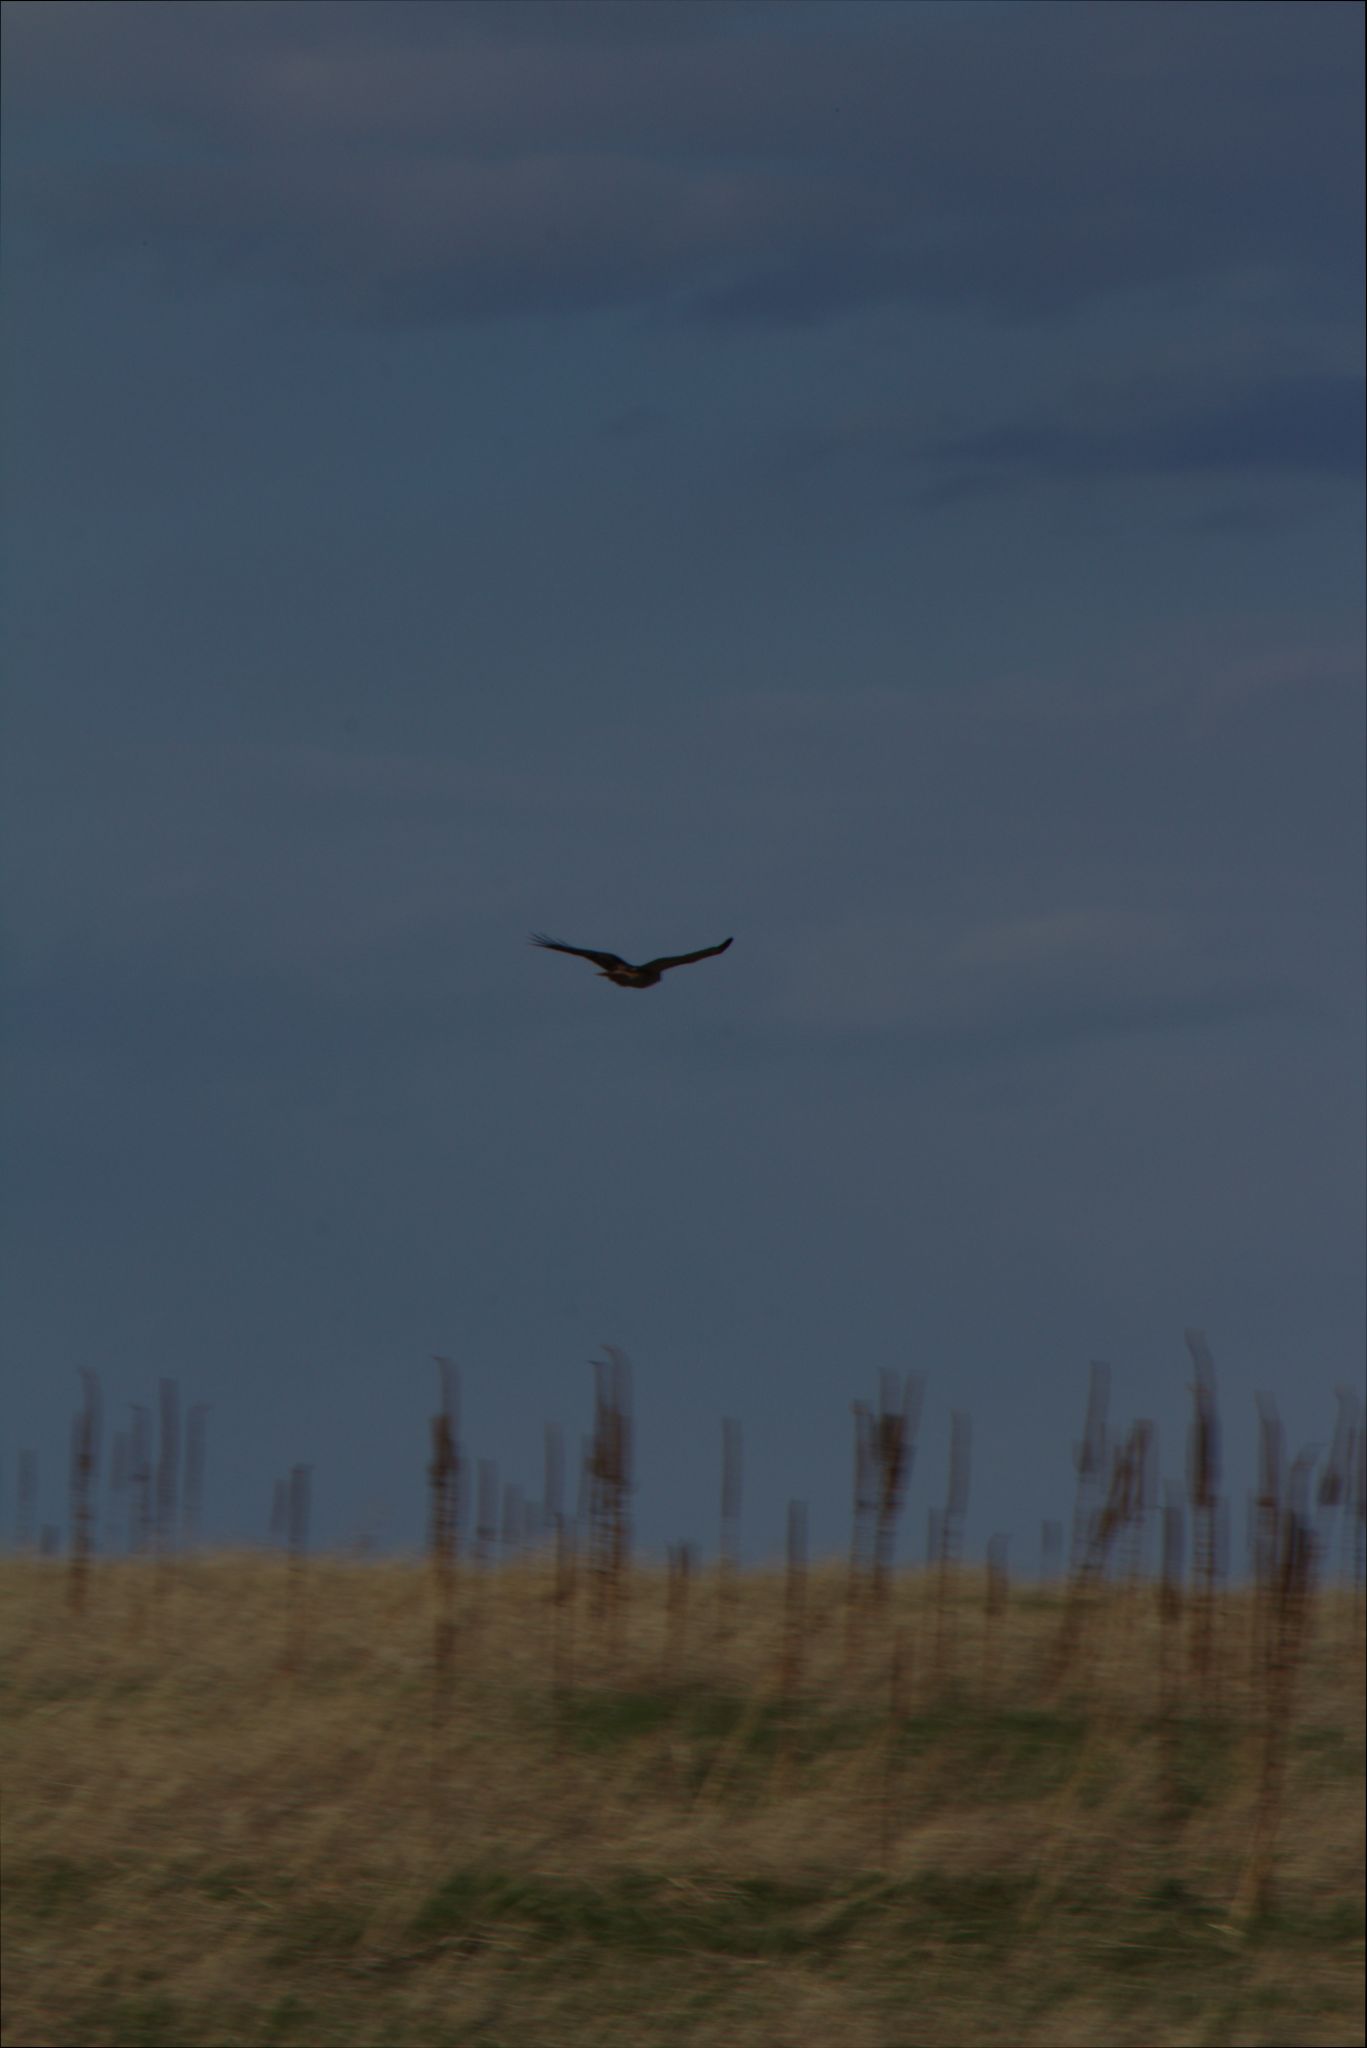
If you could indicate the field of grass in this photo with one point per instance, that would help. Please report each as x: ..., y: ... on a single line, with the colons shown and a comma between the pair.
x: 244, y: 1806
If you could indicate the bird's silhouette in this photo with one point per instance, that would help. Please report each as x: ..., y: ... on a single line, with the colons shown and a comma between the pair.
x: 621, y: 972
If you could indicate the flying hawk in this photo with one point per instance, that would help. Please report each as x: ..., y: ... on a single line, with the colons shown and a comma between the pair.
x: 621, y: 971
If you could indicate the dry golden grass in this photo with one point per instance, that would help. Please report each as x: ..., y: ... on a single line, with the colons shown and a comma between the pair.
x: 220, y: 1832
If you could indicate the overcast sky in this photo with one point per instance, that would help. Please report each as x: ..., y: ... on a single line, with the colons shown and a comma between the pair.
x: 881, y: 481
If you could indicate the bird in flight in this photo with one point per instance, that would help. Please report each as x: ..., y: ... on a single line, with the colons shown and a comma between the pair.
x: 621, y: 971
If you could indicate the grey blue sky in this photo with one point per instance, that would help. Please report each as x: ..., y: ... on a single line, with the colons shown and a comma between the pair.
x: 884, y: 481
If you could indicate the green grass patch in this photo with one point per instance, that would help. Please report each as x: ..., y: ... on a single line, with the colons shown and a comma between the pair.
x: 753, y: 1918
x: 1342, y: 1923
x: 318, y: 1930
x: 646, y: 1914
x: 1202, y: 1760
x: 1330, y: 1755
x: 962, y: 1910
x: 50, y: 1886
x: 1000, y: 1754
x: 705, y: 1729
x: 289, y: 2020
x: 226, y: 1883
x: 146, y: 2023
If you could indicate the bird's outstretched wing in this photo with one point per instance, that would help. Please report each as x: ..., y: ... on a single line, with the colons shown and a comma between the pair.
x: 580, y: 952
x: 683, y: 959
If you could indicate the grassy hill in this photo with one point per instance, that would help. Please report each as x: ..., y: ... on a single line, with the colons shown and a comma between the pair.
x: 255, y: 1803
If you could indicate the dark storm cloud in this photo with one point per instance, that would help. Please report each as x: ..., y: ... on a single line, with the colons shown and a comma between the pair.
x: 1312, y: 423
x: 306, y: 884
x: 341, y: 652
x: 779, y: 163
x: 1210, y: 419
